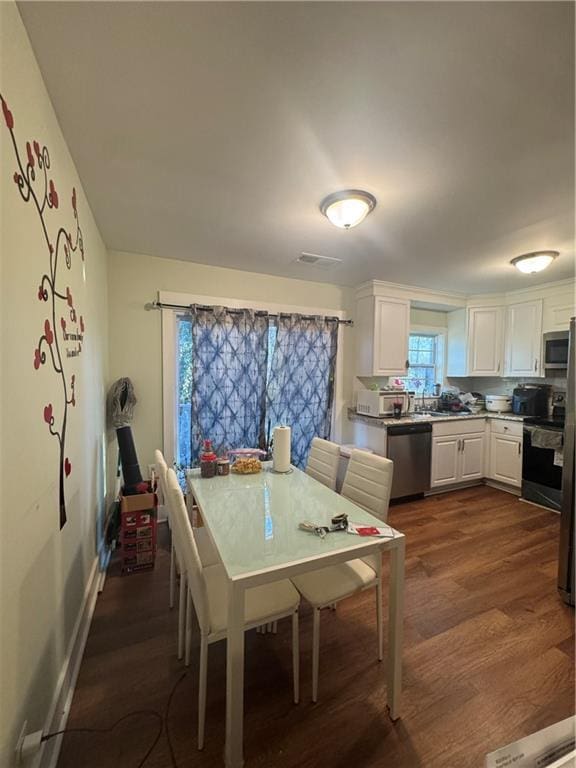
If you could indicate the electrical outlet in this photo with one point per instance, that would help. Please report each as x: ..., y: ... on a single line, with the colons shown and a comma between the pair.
x: 20, y: 743
x: 27, y: 745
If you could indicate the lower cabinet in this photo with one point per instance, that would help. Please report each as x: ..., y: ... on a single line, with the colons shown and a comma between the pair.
x: 457, y: 452
x: 445, y: 455
x: 505, y: 463
x: 472, y: 457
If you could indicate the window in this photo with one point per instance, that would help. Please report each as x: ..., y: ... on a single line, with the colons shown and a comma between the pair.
x: 177, y: 366
x: 184, y: 385
x: 184, y: 391
x: 425, y: 354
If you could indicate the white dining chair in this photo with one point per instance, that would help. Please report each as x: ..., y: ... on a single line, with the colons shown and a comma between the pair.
x: 323, y: 460
x: 161, y: 469
x: 207, y: 591
x: 367, y: 483
x: 208, y: 553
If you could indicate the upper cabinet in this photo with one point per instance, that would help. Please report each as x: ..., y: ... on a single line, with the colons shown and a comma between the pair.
x: 475, y: 341
x: 382, y: 329
x: 485, y: 326
x: 523, y: 339
x: 496, y: 341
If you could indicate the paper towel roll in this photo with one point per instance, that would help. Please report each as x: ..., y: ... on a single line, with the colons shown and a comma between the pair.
x: 281, y: 450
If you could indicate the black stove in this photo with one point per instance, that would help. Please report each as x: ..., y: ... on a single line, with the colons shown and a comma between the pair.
x: 542, y: 459
x: 545, y: 422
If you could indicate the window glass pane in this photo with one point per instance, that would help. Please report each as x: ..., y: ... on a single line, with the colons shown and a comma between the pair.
x: 420, y: 379
x: 427, y: 343
x: 184, y: 391
x: 422, y: 356
x: 422, y: 373
x: 272, y: 332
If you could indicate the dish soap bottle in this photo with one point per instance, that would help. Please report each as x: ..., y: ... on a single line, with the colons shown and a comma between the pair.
x: 207, y: 460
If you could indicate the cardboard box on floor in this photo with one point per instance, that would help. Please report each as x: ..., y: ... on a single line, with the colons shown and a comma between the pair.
x: 140, y: 502
x: 138, y: 519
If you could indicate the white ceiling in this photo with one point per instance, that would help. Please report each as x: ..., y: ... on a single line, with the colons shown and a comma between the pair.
x: 211, y: 131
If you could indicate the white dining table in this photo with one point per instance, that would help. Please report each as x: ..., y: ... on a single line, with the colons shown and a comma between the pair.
x: 252, y: 521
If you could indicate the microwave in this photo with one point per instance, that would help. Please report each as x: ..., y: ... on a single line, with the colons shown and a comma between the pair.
x: 381, y: 403
x: 556, y: 349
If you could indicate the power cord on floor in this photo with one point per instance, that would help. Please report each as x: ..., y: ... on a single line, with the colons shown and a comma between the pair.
x: 162, y: 720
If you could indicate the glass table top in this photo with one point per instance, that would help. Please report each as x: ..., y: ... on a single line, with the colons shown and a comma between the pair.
x: 253, y: 519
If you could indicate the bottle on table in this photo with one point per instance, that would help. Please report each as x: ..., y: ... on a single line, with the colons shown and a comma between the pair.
x: 207, y: 460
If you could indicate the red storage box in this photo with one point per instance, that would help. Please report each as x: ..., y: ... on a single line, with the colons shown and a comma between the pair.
x: 138, y: 531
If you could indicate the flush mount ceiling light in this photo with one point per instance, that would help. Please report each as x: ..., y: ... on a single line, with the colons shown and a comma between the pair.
x: 347, y: 208
x: 534, y: 262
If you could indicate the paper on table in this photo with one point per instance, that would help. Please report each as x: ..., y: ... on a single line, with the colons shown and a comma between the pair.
x: 360, y: 529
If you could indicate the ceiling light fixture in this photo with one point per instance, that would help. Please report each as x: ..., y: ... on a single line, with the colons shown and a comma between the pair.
x: 348, y: 208
x: 534, y: 262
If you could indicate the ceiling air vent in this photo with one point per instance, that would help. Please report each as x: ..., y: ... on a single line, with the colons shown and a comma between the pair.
x: 315, y: 260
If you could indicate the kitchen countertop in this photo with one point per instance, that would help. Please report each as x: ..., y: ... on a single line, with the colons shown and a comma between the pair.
x: 387, y: 421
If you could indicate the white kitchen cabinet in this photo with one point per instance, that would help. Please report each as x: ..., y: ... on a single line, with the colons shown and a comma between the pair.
x: 382, y: 329
x: 472, y: 457
x: 457, y: 452
x: 523, y: 339
x: 505, y: 464
x: 475, y: 341
x: 445, y: 455
x: 485, y: 326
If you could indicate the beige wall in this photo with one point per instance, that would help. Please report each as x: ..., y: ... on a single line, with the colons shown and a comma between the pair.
x: 43, y: 570
x: 135, y: 335
x: 429, y: 318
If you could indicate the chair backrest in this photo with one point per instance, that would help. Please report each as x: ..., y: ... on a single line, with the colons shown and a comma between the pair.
x: 188, y: 551
x: 368, y: 482
x: 162, y: 467
x: 323, y: 461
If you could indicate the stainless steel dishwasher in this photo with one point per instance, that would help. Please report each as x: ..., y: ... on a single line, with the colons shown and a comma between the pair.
x: 409, y: 447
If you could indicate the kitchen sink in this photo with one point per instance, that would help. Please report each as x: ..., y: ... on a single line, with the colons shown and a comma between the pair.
x: 427, y: 414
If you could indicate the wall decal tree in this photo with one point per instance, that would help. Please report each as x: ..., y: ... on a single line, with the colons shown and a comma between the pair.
x: 54, y: 346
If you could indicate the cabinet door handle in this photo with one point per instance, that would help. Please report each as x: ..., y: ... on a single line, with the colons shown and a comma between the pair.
x: 498, y: 369
x: 407, y: 364
x: 519, y: 449
x: 535, y: 365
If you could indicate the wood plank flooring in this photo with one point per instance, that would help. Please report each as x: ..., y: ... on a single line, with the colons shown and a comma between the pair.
x: 489, y: 658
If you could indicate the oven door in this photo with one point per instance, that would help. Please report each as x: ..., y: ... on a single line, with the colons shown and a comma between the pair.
x: 556, y: 349
x: 541, y: 473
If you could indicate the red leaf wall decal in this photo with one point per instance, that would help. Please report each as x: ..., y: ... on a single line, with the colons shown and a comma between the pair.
x: 7, y: 115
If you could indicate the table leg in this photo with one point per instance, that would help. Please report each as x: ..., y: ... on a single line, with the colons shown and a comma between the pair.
x: 235, y: 677
x: 395, y: 627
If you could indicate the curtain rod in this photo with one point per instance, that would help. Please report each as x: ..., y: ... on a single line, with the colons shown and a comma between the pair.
x: 161, y: 305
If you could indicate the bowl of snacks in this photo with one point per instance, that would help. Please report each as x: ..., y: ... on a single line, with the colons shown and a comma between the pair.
x: 246, y: 461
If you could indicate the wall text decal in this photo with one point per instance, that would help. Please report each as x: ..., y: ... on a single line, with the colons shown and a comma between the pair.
x: 33, y: 182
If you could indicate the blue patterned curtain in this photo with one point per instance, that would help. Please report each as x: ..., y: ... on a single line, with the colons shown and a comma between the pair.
x: 230, y: 353
x: 301, y: 382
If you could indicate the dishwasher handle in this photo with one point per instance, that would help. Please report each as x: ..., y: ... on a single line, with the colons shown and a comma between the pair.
x: 398, y: 430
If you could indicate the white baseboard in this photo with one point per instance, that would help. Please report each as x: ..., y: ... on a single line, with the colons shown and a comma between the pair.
x: 57, y: 718
x: 503, y: 487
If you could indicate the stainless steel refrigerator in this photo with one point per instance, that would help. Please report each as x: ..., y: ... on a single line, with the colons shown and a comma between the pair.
x: 567, y: 532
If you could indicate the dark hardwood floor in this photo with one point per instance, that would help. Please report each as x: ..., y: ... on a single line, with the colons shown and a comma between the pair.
x: 488, y: 658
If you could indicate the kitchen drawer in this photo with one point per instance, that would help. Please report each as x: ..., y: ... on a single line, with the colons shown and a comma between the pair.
x: 505, y: 427
x: 460, y: 426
